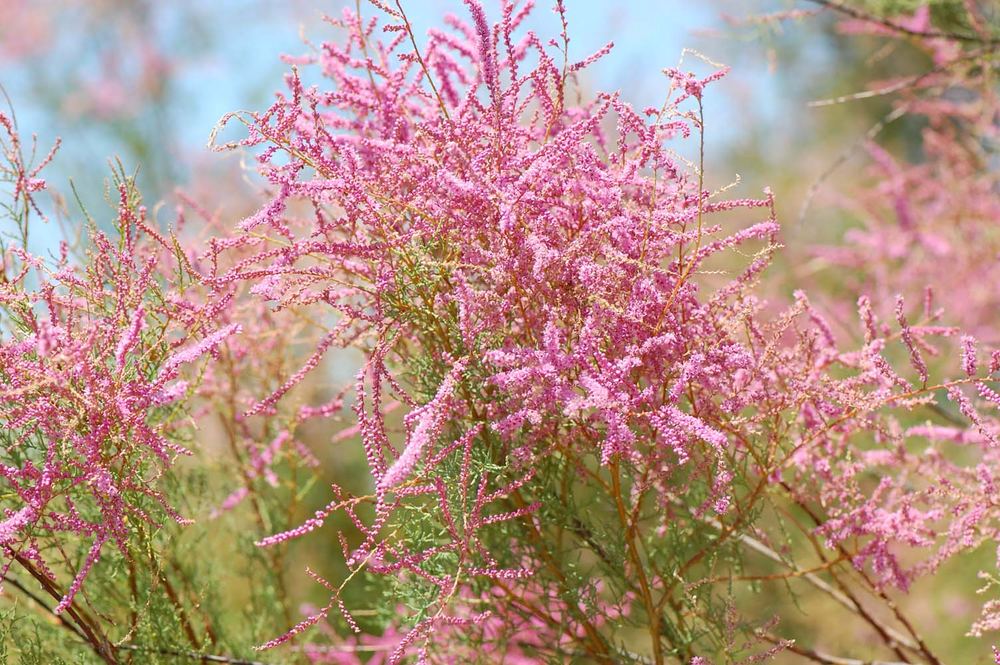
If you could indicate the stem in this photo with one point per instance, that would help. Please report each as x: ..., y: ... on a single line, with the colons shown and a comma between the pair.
x: 652, y: 609
x: 420, y: 59
x: 87, y: 626
x: 41, y: 603
x: 203, y: 657
x: 686, y: 271
x: 820, y: 657
x: 921, y: 645
x: 896, y: 27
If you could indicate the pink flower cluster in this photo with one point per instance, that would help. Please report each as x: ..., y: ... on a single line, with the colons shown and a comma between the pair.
x: 543, y: 262
x: 584, y: 416
x: 90, y: 361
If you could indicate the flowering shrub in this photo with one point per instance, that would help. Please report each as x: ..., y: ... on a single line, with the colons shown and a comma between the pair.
x: 588, y: 427
x: 528, y: 285
x: 103, y: 353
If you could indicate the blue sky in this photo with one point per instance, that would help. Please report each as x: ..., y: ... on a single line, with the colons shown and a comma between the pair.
x: 648, y: 34
x: 239, y: 68
x: 227, y: 54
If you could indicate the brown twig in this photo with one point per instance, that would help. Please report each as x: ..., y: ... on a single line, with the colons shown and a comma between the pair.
x: 862, y: 15
x: 193, y: 655
x: 921, y: 646
x: 819, y: 656
x: 420, y: 59
x: 86, y: 627
x: 41, y: 603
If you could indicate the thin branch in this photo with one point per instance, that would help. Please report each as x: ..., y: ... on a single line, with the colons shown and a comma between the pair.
x: 193, y: 655
x: 41, y: 603
x: 862, y: 15
x: 820, y: 657
x: 922, y: 647
x: 815, y: 580
x: 420, y: 59
x: 87, y: 627
x: 910, y: 82
x: 841, y: 159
